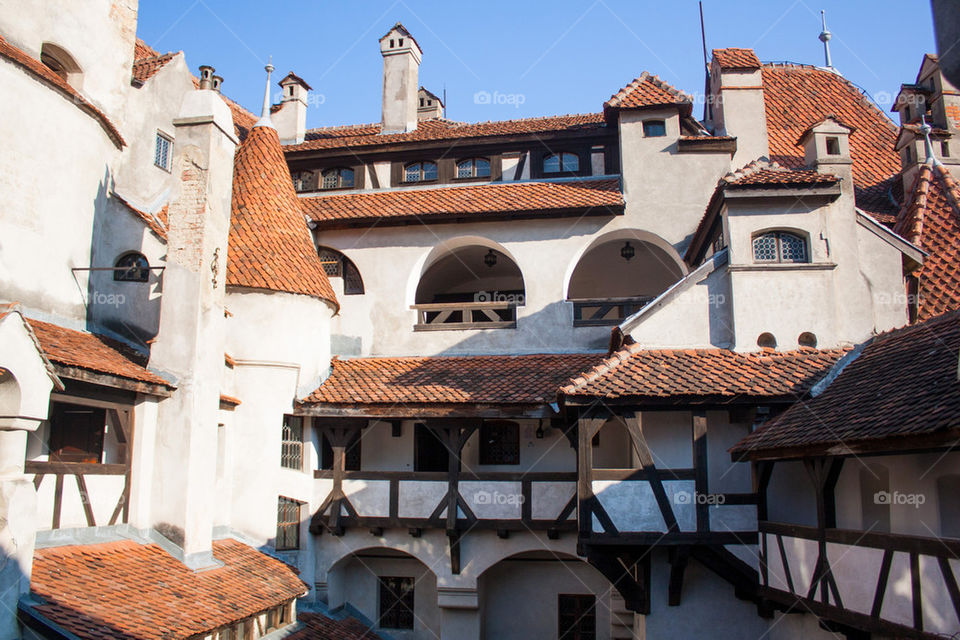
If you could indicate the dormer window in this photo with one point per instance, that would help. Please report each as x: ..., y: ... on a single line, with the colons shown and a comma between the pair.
x: 132, y: 267
x: 473, y: 168
x: 420, y: 172
x: 779, y: 247
x: 833, y: 146
x: 654, y: 128
x: 562, y: 162
x: 337, y: 178
x: 61, y: 63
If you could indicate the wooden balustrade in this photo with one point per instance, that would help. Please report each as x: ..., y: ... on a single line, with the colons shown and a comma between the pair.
x: 605, y: 312
x: 80, y: 470
x: 451, y: 316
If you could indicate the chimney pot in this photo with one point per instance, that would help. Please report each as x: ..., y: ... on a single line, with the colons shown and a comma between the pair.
x: 206, y: 76
x: 217, y: 81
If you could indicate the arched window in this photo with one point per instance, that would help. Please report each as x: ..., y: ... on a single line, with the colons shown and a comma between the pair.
x: 473, y: 168
x: 131, y: 267
x: 779, y: 246
x: 767, y: 340
x: 61, y: 63
x: 561, y: 162
x: 338, y: 178
x: 302, y: 180
x: 337, y: 265
x: 807, y: 339
x: 420, y: 171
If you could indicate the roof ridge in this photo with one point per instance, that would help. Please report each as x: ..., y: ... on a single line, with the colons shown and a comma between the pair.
x: 458, y: 123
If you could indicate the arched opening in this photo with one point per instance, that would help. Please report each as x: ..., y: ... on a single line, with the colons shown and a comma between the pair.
x: 56, y: 58
x: 470, y: 287
x: 617, y: 277
x: 767, y: 340
x: 557, y: 590
x: 132, y: 267
x: 337, y: 265
x: 392, y: 588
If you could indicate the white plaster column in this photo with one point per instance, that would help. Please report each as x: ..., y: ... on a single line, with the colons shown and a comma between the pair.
x: 460, y: 616
x: 18, y: 513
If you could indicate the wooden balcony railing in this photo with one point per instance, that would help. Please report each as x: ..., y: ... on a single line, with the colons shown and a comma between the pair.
x: 99, y: 494
x: 452, y: 316
x: 605, y: 312
x: 890, y: 584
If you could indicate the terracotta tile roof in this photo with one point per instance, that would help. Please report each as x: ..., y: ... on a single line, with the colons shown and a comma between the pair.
x: 43, y: 73
x: 481, y: 201
x: 761, y: 174
x: 270, y: 246
x: 649, y: 91
x: 930, y: 219
x: 736, y: 59
x: 797, y: 96
x: 904, y: 383
x: 156, y: 222
x: 657, y: 374
x: 443, y: 129
x: 523, y: 379
x: 317, y: 626
x: 123, y: 589
x: 14, y: 307
x: 147, y: 61
x: 72, y: 348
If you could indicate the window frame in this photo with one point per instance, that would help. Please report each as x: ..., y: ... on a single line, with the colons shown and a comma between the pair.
x: 389, y: 613
x: 302, y: 180
x: 499, y: 442
x: 62, y: 431
x: 143, y: 270
x: 421, y: 164
x: 339, y: 172
x: 474, y: 175
x: 778, y: 235
x: 287, y: 529
x: 168, y: 157
x: 292, y: 443
x: 337, y: 265
x: 573, y: 612
x: 560, y: 155
x: 653, y: 122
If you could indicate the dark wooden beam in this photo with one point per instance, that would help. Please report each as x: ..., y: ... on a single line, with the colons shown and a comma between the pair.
x: 678, y: 566
x: 634, y: 424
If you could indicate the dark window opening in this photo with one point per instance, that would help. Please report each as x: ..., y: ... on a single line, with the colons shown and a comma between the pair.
x: 338, y: 178
x: 351, y: 456
x: 131, y: 267
x: 767, y: 341
x: 562, y: 162
x: 429, y: 451
x: 291, y: 447
x: 577, y: 617
x: 396, y: 602
x: 303, y: 181
x: 499, y: 442
x: 945, y: 149
x: 288, y: 524
x: 654, y: 128
x: 76, y: 433
x: 420, y: 172
x: 833, y: 146
x: 337, y: 265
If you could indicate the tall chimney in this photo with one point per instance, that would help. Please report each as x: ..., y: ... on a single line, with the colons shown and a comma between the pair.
x: 190, y: 343
x: 401, y: 67
x: 290, y: 120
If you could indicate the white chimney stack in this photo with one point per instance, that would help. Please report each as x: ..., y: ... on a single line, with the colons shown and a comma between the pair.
x: 401, y: 67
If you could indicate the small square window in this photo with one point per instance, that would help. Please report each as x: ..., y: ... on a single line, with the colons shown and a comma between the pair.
x: 833, y: 146
x: 499, y: 442
x: 945, y: 149
x: 654, y: 128
x: 163, y: 152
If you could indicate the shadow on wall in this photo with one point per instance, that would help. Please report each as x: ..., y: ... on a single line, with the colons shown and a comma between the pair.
x: 128, y: 308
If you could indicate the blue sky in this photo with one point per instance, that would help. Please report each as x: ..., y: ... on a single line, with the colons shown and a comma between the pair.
x: 534, y: 58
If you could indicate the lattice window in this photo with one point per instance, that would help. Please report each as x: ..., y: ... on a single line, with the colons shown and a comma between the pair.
x: 337, y: 265
x: 301, y: 180
x: 396, y: 602
x: 473, y: 168
x: 420, y: 172
x: 163, y: 151
x: 131, y: 267
x: 291, y: 447
x: 338, y: 178
x: 288, y: 524
x: 577, y: 617
x: 499, y: 442
x: 563, y: 161
x: 352, y: 282
x: 779, y: 246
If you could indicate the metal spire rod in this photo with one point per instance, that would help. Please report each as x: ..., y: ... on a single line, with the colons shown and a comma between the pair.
x: 825, y: 36
x: 264, y: 120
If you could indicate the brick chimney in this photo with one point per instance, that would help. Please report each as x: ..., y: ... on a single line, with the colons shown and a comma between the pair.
x: 401, y: 68
x: 190, y: 342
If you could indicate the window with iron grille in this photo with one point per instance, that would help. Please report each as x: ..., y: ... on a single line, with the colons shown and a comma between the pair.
x: 499, y: 442
x: 473, y: 168
x: 302, y: 180
x: 288, y: 524
x: 162, y: 155
x: 577, y: 617
x: 291, y: 446
x: 338, y: 178
x: 779, y: 246
x: 396, y: 602
x: 420, y: 172
x: 337, y: 265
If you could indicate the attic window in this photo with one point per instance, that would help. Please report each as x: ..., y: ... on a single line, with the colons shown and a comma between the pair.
x: 833, y: 146
x: 302, y: 180
x: 779, y: 246
x: 473, y: 168
x: 391, y: 43
x: 338, y: 178
x: 421, y: 102
x: 654, y: 128
x: 401, y: 42
x: 420, y: 172
x: 564, y: 161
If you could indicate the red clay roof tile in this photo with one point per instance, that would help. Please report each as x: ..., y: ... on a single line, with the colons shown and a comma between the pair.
x: 124, y: 590
x: 904, y: 383
x: 734, y: 58
x: 270, y: 245
x: 317, y: 626
x: 523, y: 379
x: 482, y: 201
x: 770, y: 174
x: 649, y: 91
